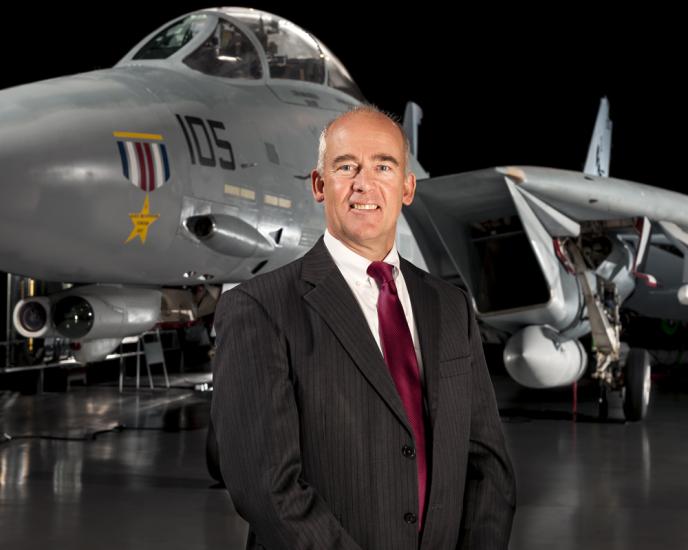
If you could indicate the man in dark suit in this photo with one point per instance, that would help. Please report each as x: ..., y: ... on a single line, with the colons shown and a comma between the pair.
x: 352, y: 404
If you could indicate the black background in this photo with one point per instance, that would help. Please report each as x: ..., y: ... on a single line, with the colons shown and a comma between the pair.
x: 496, y: 86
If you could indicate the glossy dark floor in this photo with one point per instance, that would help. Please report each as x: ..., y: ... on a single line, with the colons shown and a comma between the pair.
x: 580, y: 485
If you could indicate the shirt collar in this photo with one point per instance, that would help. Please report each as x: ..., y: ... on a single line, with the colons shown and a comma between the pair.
x: 354, y: 266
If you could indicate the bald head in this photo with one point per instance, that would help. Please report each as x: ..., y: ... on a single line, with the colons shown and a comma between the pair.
x: 363, y: 110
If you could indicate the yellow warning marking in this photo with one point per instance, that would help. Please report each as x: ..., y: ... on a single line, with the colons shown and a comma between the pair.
x: 137, y: 135
x: 141, y: 220
x: 242, y: 192
x: 232, y: 190
x: 273, y: 200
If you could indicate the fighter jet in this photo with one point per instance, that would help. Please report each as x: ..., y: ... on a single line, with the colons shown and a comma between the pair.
x: 550, y: 256
x: 188, y: 163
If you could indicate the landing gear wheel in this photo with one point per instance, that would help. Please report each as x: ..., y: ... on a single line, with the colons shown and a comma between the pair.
x: 636, y: 391
x: 212, y: 456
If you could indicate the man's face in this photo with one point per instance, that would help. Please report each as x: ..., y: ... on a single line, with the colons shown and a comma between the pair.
x: 363, y: 184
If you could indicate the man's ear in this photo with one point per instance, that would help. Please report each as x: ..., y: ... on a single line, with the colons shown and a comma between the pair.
x: 318, y: 186
x: 409, y: 189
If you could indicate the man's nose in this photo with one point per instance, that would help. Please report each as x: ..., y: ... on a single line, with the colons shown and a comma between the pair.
x: 363, y: 179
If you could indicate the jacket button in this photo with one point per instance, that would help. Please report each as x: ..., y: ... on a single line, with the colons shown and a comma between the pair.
x: 408, y: 452
x: 410, y: 517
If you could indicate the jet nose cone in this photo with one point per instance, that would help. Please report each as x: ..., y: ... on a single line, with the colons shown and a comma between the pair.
x: 51, y: 155
x: 52, y: 133
x: 61, y: 174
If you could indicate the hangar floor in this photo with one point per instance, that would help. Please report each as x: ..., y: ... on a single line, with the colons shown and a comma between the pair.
x: 84, y: 481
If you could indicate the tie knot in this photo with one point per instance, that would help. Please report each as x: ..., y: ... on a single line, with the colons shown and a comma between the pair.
x: 381, y: 272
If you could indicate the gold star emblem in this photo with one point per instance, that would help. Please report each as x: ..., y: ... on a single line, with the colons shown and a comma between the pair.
x: 141, y: 221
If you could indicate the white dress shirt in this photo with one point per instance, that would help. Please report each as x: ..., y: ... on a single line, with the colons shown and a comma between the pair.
x: 354, y: 268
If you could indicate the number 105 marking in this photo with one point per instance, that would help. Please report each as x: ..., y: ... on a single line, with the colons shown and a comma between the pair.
x: 190, y: 126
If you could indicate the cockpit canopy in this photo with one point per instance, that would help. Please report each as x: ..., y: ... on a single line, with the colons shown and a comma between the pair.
x: 244, y: 43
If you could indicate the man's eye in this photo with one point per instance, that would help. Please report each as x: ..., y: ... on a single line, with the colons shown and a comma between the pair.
x: 385, y: 168
x: 345, y: 167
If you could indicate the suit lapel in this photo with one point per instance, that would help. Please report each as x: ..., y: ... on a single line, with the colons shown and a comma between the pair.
x: 425, y: 305
x: 334, y: 301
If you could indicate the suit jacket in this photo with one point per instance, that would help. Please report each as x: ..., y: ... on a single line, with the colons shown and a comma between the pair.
x: 313, y: 435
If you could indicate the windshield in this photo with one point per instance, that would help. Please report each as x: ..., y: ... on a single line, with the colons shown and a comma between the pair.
x: 174, y: 37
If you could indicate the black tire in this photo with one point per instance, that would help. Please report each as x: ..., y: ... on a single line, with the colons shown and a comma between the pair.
x: 637, y: 385
x: 212, y: 456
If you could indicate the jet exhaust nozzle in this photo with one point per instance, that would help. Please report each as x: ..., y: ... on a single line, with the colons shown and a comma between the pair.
x: 31, y: 316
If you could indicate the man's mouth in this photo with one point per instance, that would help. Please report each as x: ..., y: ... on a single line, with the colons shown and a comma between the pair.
x: 364, y: 206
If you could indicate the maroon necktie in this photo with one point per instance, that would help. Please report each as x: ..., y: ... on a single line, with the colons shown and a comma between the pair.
x: 400, y: 356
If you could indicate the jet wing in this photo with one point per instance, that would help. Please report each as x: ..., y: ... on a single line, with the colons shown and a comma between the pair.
x: 578, y: 196
x: 451, y: 212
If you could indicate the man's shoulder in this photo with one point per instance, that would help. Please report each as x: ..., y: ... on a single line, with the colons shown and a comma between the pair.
x: 272, y: 292
x: 444, y: 288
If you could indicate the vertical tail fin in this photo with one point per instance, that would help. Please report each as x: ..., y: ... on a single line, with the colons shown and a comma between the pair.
x: 413, y: 114
x: 597, y: 163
